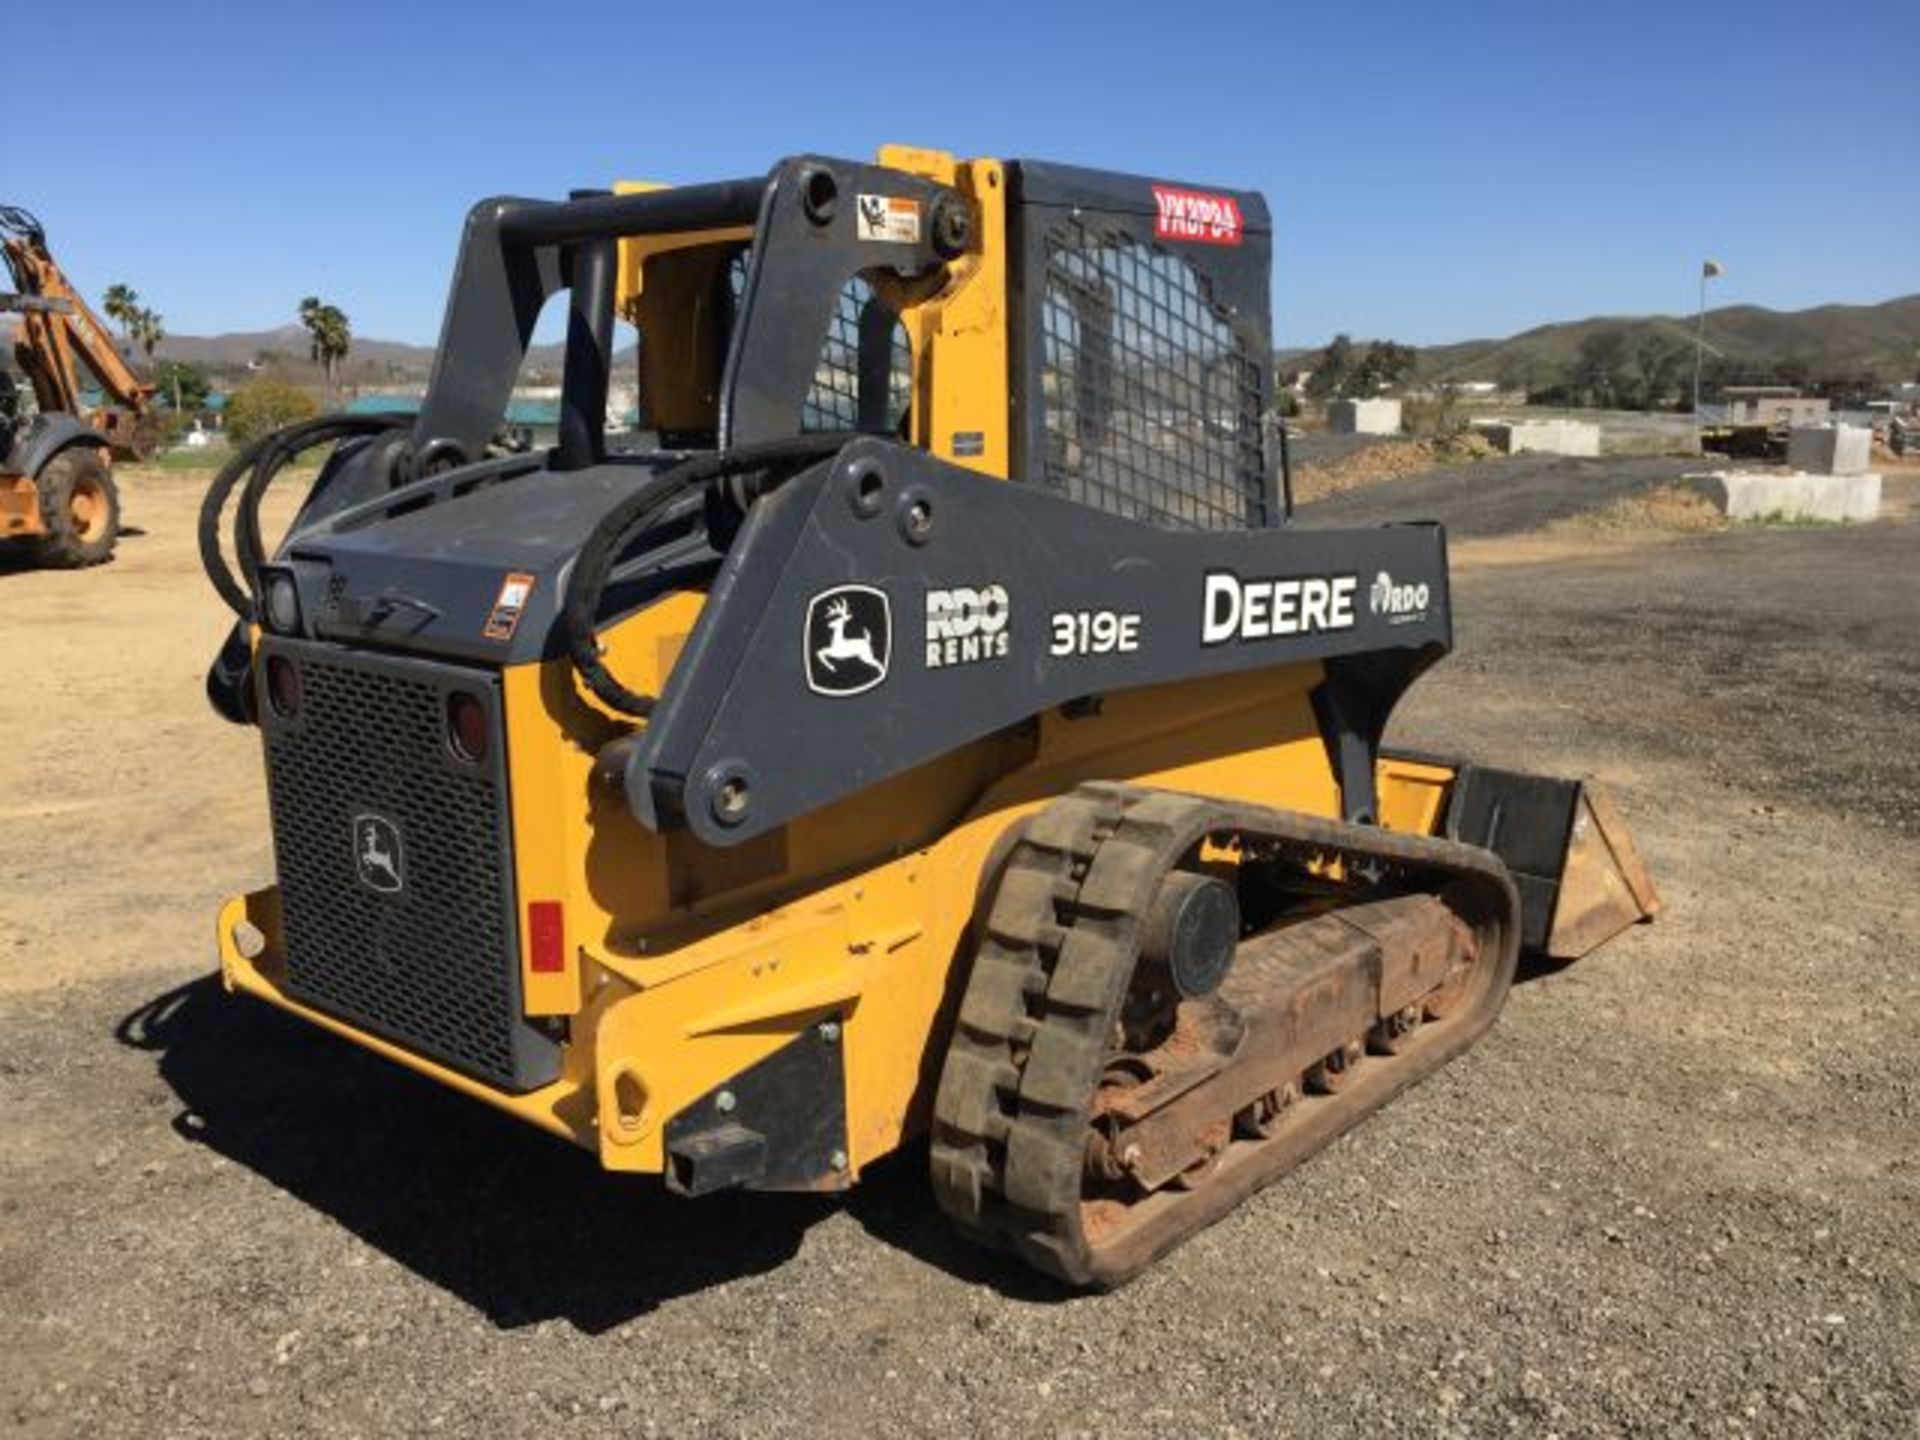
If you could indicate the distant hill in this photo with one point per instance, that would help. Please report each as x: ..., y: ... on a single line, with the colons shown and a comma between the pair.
x: 234, y: 350
x: 1755, y: 343
x: 369, y: 362
x: 1883, y: 339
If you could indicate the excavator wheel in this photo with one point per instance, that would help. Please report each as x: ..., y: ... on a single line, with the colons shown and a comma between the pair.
x: 1091, y: 1116
x: 80, y: 508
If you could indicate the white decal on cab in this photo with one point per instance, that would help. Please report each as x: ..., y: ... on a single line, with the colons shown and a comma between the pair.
x: 1094, y: 632
x: 1265, y: 609
x: 966, y: 624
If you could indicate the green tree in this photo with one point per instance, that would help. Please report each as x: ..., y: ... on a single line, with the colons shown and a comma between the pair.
x: 122, y: 303
x: 263, y: 405
x: 147, y: 329
x: 187, y: 384
x: 1329, y: 371
x: 1600, y: 367
x: 1661, y: 363
x: 330, y: 335
x: 1386, y: 364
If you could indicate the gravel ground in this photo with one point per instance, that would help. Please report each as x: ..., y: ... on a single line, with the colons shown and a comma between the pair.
x: 1511, y: 495
x: 1324, y: 448
x: 1673, y: 1191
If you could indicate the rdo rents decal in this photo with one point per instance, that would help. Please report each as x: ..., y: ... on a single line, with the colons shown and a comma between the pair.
x: 1195, y: 215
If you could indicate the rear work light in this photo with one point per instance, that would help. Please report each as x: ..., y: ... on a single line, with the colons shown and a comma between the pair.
x: 281, y: 602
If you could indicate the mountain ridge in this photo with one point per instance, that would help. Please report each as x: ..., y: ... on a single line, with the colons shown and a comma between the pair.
x: 1883, y: 338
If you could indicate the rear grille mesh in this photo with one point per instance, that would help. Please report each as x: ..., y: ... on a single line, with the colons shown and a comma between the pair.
x: 433, y: 966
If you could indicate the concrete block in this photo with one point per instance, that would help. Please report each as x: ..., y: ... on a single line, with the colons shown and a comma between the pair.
x: 1543, y: 437
x: 1364, y: 417
x: 1830, y: 449
x: 1745, y: 495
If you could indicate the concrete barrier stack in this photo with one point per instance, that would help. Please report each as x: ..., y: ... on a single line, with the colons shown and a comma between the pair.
x: 1364, y: 417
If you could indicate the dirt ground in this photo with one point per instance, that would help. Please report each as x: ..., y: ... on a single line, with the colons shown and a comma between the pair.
x: 1673, y: 1192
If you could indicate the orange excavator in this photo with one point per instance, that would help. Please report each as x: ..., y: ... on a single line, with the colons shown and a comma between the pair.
x: 57, y: 450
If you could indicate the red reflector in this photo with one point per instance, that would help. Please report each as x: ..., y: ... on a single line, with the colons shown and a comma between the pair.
x: 547, y: 936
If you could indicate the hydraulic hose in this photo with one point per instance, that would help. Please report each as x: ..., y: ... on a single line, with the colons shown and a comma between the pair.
x: 259, y: 463
x: 618, y: 528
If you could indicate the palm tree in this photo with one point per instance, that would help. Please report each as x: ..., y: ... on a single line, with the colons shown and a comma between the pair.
x: 330, y: 335
x: 147, y: 329
x: 122, y: 303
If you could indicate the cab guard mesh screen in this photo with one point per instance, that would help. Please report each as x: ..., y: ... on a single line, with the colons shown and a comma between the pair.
x: 1152, y: 406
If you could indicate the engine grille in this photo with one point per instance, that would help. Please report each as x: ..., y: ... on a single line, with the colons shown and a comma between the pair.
x: 1152, y: 404
x: 416, y: 941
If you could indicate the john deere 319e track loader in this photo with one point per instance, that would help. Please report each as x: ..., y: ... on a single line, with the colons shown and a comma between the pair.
x: 925, y: 723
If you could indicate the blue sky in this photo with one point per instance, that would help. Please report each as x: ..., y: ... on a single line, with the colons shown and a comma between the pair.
x: 1436, y: 171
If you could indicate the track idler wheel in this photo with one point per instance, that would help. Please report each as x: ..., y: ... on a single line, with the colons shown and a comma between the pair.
x: 1190, y: 934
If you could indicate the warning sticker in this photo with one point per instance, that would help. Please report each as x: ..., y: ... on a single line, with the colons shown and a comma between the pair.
x: 1195, y: 215
x: 892, y: 218
x: 504, y: 619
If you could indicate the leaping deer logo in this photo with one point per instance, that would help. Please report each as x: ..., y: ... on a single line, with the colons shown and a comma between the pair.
x: 848, y: 638
x: 377, y: 853
x: 843, y: 646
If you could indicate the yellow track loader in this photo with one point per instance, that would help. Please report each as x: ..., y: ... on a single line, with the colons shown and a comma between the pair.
x: 926, y: 725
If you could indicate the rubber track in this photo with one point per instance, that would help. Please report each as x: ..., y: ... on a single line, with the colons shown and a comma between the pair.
x: 1051, y: 970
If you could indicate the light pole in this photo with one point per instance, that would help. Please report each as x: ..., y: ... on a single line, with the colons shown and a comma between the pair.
x: 1711, y: 269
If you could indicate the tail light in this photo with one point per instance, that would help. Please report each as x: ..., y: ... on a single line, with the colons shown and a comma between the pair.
x: 283, y: 686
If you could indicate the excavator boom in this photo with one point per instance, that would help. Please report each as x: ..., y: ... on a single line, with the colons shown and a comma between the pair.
x: 56, y: 482
x: 60, y: 335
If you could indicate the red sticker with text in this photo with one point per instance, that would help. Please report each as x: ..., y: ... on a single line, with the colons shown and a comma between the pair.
x: 1195, y: 215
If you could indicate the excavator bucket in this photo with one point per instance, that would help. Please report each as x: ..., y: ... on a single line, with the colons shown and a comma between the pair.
x: 1581, y: 879
x: 1604, y: 885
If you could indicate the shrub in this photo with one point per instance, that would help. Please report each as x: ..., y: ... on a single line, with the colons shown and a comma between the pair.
x: 263, y: 405
x: 1429, y: 416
